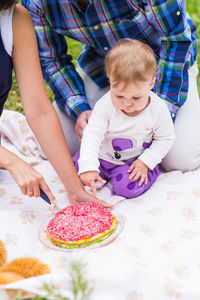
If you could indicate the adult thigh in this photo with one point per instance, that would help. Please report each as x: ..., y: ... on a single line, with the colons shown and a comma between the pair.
x: 185, y: 152
x: 68, y: 129
x: 93, y: 93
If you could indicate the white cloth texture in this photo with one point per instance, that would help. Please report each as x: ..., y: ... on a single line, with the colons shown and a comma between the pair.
x: 110, y: 129
x: 185, y: 152
x: 156, y: 256
x: 17, y: 136
x: 6, y: 29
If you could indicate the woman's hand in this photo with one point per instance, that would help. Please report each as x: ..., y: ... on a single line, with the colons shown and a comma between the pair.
x: 27, y: 178
x: 83, y: 196
x: 138, y: 170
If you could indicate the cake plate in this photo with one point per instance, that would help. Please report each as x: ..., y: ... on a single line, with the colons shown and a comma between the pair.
x: 44, y: 240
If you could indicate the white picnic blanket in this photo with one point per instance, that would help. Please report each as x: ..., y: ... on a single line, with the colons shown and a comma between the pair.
x: 155, y: 257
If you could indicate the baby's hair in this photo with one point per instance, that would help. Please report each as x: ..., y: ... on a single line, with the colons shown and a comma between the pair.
x: 5, y: 4
x: 130, y: 60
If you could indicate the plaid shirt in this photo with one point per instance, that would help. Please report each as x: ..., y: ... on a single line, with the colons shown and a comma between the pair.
x: 163, y: 24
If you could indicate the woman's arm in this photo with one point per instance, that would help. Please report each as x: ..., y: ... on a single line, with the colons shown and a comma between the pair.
x: 39, y: 112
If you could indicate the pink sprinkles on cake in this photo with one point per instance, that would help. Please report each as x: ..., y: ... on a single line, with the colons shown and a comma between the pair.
x: 81, y: 221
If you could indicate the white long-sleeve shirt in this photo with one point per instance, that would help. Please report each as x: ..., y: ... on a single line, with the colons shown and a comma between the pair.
x: 116, y: 137
x: 6, y: 29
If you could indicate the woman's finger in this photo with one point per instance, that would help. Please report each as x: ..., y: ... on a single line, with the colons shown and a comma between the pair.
x: 48, y: 192
x: 91, y: 198
x: 36, y: 191
x: 33, y: 191
x: 93, y: 188
x: 30, y: 191
x: 83, y: 196
x: 103, y: 203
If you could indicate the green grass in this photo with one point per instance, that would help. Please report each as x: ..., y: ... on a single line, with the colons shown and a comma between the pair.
x: 193, y: 9
x: 80, y: 287
x: 14, y: 101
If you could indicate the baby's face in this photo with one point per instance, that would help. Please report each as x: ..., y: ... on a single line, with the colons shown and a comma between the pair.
x: 133, y: 98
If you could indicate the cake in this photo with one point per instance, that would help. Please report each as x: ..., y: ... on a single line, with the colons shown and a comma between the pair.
x: 81, y: 225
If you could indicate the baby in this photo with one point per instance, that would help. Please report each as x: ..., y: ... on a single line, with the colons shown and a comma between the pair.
x: 130, y: 129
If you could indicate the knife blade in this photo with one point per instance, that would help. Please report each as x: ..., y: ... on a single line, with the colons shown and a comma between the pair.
x: 44, y: 196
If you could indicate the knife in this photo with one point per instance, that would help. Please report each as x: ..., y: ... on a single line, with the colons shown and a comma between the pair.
x: 44, y: 196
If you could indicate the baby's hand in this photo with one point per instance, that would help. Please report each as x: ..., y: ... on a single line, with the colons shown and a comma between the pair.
x: 89, y: 178
x: 138, y: 170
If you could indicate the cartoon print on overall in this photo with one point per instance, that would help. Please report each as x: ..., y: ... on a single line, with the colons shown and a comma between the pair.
x: 118, y: 175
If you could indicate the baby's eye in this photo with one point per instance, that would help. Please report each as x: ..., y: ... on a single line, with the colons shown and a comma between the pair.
x: 135, y: 98
x: 119, y: 97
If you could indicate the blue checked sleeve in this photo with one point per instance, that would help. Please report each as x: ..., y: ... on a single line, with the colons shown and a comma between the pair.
x: 169, y: 19
x: 58, y: 69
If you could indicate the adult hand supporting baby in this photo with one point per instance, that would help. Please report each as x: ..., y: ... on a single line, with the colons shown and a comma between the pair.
x: 82, y: 122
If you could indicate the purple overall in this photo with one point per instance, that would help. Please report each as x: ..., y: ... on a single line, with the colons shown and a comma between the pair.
x: 118, y: 175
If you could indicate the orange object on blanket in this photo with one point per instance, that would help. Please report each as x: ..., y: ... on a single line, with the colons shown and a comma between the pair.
x: 19, y: 268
